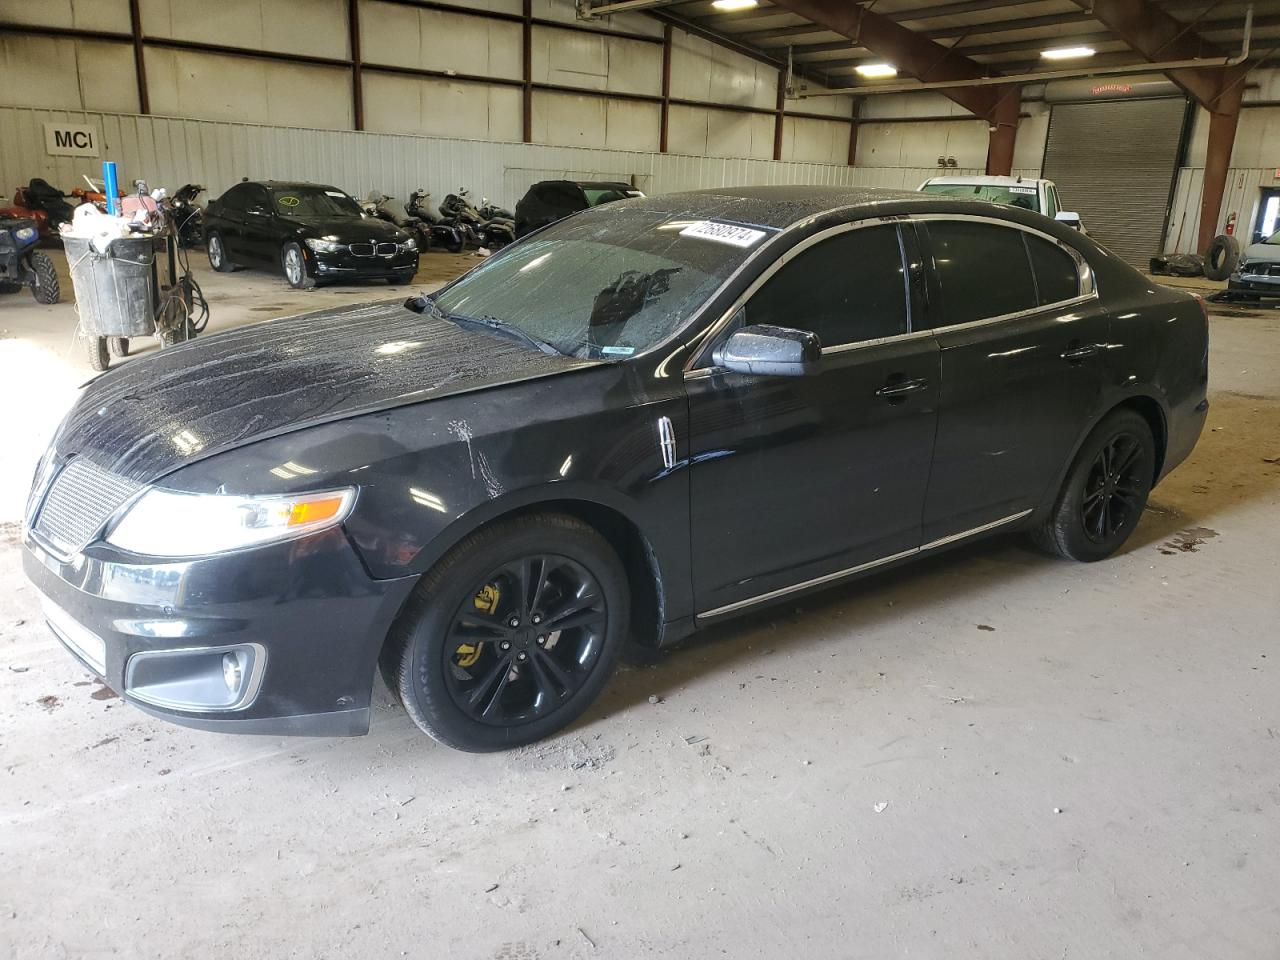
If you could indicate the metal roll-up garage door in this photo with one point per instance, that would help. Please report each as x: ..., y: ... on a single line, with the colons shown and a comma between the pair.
x: 1114, y: 164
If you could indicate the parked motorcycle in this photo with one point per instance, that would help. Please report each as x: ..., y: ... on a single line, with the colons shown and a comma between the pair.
x: 491, y: 211
x: 493, y: 234
x: 21, y: 265
x: 187, y: 215
x: 447, y: 233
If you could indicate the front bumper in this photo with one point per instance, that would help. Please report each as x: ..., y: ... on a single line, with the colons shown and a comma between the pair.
x: 346, y: 265
x: 1255, y: 284
x: 307, y: 618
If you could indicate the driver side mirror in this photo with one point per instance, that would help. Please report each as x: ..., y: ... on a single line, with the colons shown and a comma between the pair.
x: 771, y: 351
x: 1069, y: 218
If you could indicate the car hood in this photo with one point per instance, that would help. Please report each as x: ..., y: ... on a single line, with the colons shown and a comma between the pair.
x: 1266, y: 252
x: 152, y: 415
x: 348, y: 229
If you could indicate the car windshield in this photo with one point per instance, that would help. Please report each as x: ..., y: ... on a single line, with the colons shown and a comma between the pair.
x: 606, y: 284
x: 1025, y: 197
x: 314, y: 202
x: 1273, y: 240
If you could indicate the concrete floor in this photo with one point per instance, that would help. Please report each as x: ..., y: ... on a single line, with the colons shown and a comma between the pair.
x: 990, y: 754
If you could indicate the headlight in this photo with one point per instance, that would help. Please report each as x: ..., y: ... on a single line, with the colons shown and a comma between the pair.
x: 25, y: 233
x: 410, y: 244
x: 321, y: 245
x: 166, y: 523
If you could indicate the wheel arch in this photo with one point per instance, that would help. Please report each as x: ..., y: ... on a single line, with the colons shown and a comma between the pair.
x: 639, y: 559
x: 1146, y: 406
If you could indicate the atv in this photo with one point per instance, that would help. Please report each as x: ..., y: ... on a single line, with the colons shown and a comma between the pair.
x: 21, y: 265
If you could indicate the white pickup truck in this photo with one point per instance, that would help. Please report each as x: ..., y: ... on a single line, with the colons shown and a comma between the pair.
x: 1038, y: 195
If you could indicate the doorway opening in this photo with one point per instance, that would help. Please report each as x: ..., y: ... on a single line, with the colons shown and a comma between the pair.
x: 1268, y: 214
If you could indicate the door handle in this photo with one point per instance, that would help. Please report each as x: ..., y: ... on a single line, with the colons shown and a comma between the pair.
x: 901, y: 388
x: 1078, y: 352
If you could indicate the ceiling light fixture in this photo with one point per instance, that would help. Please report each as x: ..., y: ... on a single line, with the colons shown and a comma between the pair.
x: 877, y: 70
x: 1067, y: 53
x: 735, y: 4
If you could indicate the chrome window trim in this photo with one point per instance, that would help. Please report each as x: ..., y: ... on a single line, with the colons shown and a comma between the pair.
x: 1087, y: 281
x: 871, y: 564
x: 714, y: 330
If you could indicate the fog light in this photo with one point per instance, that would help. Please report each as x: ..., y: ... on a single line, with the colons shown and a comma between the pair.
x: 197, y: 679
x: 232, y: 671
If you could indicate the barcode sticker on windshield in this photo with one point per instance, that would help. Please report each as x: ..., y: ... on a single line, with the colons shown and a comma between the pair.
x: 1022, y: 189
x: 729, y: 233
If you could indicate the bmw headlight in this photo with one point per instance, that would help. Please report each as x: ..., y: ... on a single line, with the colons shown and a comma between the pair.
x: 167, y: 523
x: 324, y: 245
x: 409, y: 245
x: 25, y: 233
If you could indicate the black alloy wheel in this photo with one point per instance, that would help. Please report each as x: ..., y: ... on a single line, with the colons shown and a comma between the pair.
x: 1105, y: 490
x: 525, y: 641
x: 511, y: 636
x: 1115, y: 487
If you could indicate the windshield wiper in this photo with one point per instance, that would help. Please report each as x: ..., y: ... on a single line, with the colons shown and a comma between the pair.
x: 493, y: 323
x: 427, y: 304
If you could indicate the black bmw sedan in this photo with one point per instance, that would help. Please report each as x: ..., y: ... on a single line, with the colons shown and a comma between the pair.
x: 308, y: 231
x: 640, y: 421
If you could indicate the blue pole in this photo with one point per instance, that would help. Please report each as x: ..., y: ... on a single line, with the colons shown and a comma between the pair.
x: 111, y: 187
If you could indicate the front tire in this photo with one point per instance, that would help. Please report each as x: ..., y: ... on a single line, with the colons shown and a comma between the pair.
x: 294, y: 266
x: 217, y: 251
x: 512, y: 635
x: 46, y: 286
x: 1104, y: 493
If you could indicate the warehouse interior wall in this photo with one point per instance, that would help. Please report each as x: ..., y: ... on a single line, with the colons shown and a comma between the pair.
x: 432, y: 72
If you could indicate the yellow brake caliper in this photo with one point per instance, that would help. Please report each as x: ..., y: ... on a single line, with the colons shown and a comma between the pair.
x: 486, y: 601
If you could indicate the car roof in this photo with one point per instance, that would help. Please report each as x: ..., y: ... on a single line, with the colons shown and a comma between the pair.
x: 292, y: 184
x: 987, y: 181
x: 779, y: 207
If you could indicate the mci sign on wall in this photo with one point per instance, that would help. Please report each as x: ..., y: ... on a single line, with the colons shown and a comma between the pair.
x: 72, y: 139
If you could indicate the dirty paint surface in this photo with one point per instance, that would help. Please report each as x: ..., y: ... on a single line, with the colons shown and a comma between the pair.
x: 189, y: 402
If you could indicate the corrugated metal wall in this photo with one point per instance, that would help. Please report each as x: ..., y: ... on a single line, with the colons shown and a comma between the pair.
x: 169, y: 152
x: 1241, y: 197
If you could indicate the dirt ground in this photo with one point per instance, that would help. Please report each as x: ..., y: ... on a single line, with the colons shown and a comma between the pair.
x: 990, y: 754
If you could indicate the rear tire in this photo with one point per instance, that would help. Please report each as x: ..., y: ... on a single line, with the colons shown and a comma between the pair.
x: 1104, y: 493
x: 119, y: 346
x: 46, y: 289
x: 530, y: 680
x: 95, y: 351
x: 217, y: 251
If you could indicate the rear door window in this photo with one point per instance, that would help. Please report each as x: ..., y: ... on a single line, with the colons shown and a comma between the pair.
x: 983, y: 270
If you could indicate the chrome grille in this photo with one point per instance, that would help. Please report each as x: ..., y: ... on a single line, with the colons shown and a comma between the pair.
x: 80, y: 500
x: 369, y: 249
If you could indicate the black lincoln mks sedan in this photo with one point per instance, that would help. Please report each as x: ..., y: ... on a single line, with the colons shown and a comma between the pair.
x: 308, y: 231
x: 639, y: 421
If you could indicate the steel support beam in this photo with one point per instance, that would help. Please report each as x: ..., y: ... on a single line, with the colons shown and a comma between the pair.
x: 526, y: 61
x: 357, y: 80
x: 665, y: 113
x: 1157, y: 35
x: 139, y: 61
x: 925, y: 60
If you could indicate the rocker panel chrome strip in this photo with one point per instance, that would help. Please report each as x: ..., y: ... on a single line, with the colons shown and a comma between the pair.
x: 840, y: 574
